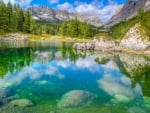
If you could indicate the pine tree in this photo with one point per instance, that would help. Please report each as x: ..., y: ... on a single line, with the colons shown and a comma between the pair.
x: 14, y: 22
x: 3, y: 18
x: 73, y: 29
x: 27, y: 22
x: 84, y: 30
x: 9, y: 17
x: 32, y: 26
x: 20, y: 18
x: 63, y: 30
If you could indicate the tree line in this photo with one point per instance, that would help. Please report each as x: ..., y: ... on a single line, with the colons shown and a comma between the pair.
x: 72, y: 28
x: 14, y: 19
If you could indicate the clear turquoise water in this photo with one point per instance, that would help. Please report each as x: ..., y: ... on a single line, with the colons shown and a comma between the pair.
x: 44, y: 72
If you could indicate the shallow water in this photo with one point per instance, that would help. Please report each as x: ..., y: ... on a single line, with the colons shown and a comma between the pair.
x: 44, y: 72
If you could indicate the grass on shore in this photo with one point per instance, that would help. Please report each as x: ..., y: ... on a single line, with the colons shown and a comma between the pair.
x: 46, y: 37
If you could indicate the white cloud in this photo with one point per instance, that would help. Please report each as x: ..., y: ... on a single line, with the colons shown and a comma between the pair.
x: 107, y: 11
x: 6, y: 1
x: 65, y: 6
x: 95, y: 8
x: 88, y: 9
x: 24, y: 3
x: 54, y: 1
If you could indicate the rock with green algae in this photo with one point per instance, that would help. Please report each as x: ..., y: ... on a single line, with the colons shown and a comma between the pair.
x: 121, y: 98
x: 22, y: 103
x: 146, y: 99
x: 4, y: 94
x: 75, y: 98
x: 136, y: 109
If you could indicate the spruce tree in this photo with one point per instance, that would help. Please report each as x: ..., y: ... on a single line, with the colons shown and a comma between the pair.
x: 9, y: 14
x: 20, y: 19
x: 3, y: 18
x: 27, y: 22
x: 63, y: 30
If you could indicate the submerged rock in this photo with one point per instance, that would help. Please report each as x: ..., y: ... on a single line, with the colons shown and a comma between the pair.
x: 22, y: 103
x: 121, y: 98
x: 136, y: 109
x: 4, y: 94
x: 75, y: 98
x: 146, y: 99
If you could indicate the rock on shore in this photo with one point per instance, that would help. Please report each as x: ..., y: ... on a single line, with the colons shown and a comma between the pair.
x: 136, y: 38
x: 15, y: 37
x: 103, y: 44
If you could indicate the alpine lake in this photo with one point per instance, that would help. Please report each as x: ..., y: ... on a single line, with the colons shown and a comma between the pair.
x: 51, y: 77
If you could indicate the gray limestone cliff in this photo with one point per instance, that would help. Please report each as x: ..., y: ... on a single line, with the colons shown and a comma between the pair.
x: 51, y: 15
x: 128, y: 11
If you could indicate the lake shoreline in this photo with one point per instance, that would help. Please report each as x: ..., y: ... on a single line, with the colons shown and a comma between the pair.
x: 44, y: 37
x: 79, y: 44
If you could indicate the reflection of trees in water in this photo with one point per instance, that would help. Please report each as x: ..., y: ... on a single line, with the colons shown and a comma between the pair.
x: 144, y: 81
x: 17, y: 58
x: 13, y: 59
x: 135, y: 66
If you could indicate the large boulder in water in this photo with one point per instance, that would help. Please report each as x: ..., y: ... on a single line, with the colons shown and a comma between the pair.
x: 22, y: 103
x: 4, y: 94
x: 75, y: 98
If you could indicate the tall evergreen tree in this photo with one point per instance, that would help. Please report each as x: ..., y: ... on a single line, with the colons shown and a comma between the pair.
x: 27, y: 22
x: 73, y: 28
x: 63, y: 30
x: 3, y: 18
x: 9, y: 17
x: 20, y: 19
x: 84, y: 30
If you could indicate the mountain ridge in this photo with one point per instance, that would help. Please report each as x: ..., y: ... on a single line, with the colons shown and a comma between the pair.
x: 51, y: 15
x: 128, y: 11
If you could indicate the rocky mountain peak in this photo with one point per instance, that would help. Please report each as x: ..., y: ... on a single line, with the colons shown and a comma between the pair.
x: 128, y: 11
x: 50, y: 15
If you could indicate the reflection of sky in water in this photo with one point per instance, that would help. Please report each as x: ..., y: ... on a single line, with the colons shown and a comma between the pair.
x: 107, y: 77
x: 119, y: 87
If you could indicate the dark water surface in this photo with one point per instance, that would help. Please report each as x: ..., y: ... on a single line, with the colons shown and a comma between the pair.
x: 50, y: 77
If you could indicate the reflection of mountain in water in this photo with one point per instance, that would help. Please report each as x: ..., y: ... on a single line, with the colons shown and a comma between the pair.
x: 136, y: 67
x: 130, y: 64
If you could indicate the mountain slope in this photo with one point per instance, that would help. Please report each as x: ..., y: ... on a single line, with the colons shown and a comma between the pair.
x: 50, y: 15
x: 128, y: 11
x: 137, y: 38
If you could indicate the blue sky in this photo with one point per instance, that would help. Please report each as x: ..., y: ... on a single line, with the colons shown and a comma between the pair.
x: 103, y: 9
